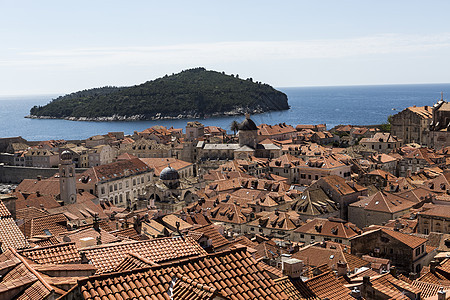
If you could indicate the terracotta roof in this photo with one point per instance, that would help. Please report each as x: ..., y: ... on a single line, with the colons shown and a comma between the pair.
x: 158, y: 164
x: 423, y: 111
x: 19, y: 280
x: 10, y: 235
x: 133, y: 261
x: 107, y: 257
x: 330, y: 227
x: 220, y: 212
x: 126, y: 156
x: 130, y: 233
x: 392, y: 287
x: 35, y: 200
x: 211, y: 232
x: 76, y: 236
x: 291, y: 290
x: 264, y: 129
x: 115, y: 170
x: 233, y: 274
x: 48, y: 186
x: 428, y: 289
x: 380, y: 137
x: 269, y: 250
x: 442, y: 211
x: 409, y: 240
x: 342, y: 186
x: 4, y: 212
x: 56, y: 254
x: 47, y: 225
x: 276, y: 220
x: 327, y: 286
x: 384, y: 202
x: 29, y: 213
x: 382, y: 173
x: 82, y: 210
x: 314, y: 202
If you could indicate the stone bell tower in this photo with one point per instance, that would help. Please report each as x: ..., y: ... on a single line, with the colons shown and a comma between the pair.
x: 67, y: 178
x: 248, y: 133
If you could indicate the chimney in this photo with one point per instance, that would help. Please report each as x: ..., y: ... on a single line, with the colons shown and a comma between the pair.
x: 366, y: 281
x: 433, y: 265
x: 84, y: 259
x: 292, y: 267
x: 412, y: 276
x: 39, y: 177
x: 442, y: 295
x: 341, y: 268
x: 393, y: 271
x: 96, y: 223
x: 137, y: 224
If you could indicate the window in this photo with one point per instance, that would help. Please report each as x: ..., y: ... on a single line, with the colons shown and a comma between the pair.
x: 115, y: 187
x: 417, y: 251
x: 127, y: 184
x: 110, y: 188
x: 302, y: 236
x: 120, y: 185
x: 102, y: 190
x: 313, y: 237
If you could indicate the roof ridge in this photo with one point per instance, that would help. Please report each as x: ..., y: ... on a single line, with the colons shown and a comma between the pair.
x: 174, y: 263
x: 35, y: 273
x: 45, y: 247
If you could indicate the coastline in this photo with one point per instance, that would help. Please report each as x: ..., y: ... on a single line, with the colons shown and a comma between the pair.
x: 236, y: 112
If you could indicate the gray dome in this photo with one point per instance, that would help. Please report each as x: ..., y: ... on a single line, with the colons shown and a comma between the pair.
x: 248, y: 124
x: 169, y: 173
x: 66, y: 155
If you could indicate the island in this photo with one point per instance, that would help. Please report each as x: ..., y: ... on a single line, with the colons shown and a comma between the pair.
x: 193, y: 93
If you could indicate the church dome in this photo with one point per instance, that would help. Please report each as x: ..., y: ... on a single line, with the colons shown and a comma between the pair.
x: 169, y: 173
x: 66, y: 155
x: 248, y: 124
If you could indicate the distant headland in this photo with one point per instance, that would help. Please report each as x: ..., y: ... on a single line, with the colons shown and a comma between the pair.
x: 193, y: 93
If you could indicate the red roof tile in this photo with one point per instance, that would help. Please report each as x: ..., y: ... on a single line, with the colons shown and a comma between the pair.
x: 233, y: 274
x: 56, y: 254
x: 107, y: 257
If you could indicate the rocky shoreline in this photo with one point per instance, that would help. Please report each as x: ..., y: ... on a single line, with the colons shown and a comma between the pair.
x: 190, y: 115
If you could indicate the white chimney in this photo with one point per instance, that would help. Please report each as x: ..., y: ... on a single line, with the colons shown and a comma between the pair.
x: 292, y: 267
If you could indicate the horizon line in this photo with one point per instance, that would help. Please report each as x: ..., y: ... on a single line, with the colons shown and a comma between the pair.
x: 277, y: 87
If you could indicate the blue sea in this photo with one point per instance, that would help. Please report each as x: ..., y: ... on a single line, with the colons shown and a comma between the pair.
x: 357, y: 105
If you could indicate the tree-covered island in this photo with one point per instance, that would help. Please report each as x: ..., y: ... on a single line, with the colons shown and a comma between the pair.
x: 193, y: 93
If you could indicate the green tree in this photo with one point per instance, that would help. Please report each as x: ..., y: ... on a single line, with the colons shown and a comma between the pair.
x: 234, y: 126
x: 386, y: 127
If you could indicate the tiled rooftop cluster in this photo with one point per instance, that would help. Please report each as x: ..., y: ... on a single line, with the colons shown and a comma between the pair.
x: 299, y: 212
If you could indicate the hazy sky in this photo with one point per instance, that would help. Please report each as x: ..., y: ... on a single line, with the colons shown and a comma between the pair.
x: 65, y: 46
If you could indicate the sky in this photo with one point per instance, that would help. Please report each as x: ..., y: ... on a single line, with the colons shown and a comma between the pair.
x: 59, y: 47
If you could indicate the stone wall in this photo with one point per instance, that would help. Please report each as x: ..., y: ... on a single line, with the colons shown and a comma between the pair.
x: 13, y: 174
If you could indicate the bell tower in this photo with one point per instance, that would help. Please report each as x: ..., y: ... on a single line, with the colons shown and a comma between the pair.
x: 67, y: 178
